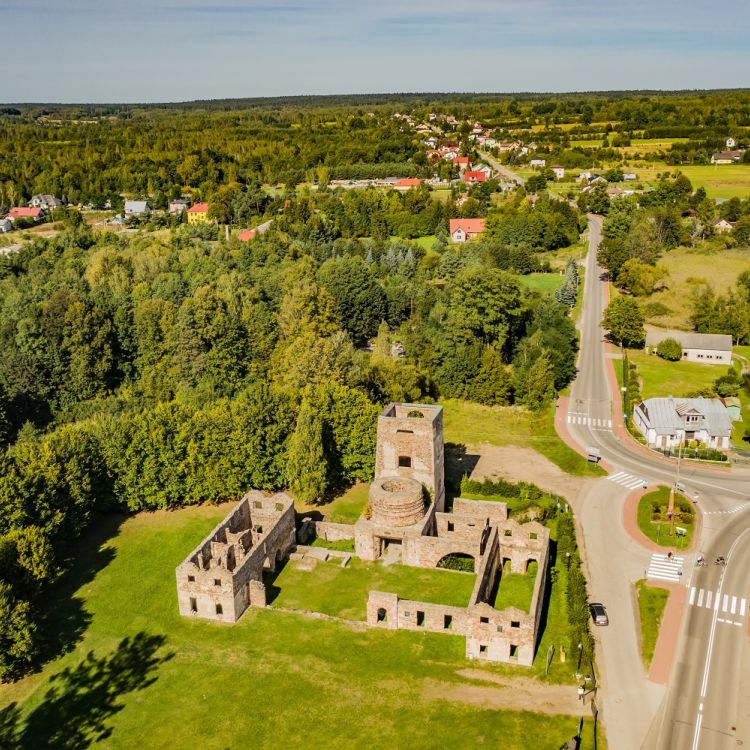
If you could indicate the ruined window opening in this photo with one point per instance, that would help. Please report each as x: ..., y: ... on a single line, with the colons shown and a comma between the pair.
x: 533, y: 535
x: 382, y: 615
x: 484, y: 620
x: 219, y: 609
x: 217, y: 581
x: 420, y: 618
x: 508, y: 532
x: 483, y: 649
x: 447, y: 622
x: 471, y: 525
x: 191, y: 579
x: 193, y: 604
x: 279, y: 507
x: 257, y: 504
x: 515, y: 623
x: 404, y: 462
x: 513, y: 651
x: 406, y: 432
x: 258, y: 529
x: 451, y: 526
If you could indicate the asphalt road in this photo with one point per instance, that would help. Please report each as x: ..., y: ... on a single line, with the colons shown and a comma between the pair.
x: 707, y: 692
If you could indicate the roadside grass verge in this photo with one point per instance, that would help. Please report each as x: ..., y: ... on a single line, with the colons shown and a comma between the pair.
x: 654, y: 522
x: 651, y: 603
x: 472, y: 424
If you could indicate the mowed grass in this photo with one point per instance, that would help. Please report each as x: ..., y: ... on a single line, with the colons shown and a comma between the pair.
x: 516, y: 589
x: 663, y: 378
x: 651, y: 603
x: 272, y: 680
x: 546, y: 283
x: 347, y: 507
x: 719, y: 180
x: 471, y: 424
x: 342, y: 592
x: 656, y: 524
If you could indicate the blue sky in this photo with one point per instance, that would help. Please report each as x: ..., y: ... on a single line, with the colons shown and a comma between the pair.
x: 165, y: 50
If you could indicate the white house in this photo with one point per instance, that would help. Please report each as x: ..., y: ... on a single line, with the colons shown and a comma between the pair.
x: 731, y: 143
x: 558, y: 171
x: 629, y: 177
x: 722, y: 225
x: 538, y: 162
x: 5, y: 225
x: 707, y: 348
x: 463, y: 230
x: 44, y: 201
x: 178, y: 205
x: 667, y: 422
x: 137, y: 208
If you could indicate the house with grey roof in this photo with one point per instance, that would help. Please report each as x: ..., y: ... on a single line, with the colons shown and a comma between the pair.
x: 707, y: 348
x: 667, y: 422
x: 137, y: 208
x: 45, y: 201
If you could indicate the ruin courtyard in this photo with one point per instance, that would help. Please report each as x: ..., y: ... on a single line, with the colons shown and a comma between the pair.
x: 448, y: 568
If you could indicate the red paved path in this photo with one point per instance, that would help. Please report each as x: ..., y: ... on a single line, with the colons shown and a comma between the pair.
x: 666, y: 643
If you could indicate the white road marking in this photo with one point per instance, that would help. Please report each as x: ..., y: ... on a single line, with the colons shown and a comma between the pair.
x: 697, y: 735
x: 700, y: 598
x: 709, y: 594
x: 733, y: 608
x: 742, y: 607
x: 725, y: 605
x: 665, y: 569
x: 692, y: 594
x: 718, y: 599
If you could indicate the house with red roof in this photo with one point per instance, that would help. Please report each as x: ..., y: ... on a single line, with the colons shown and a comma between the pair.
x: 462, y: 162
x: 463, y: 230
x: 246, y: 235
x: 407, y: 183
x: 471, y: 178
x: 25, y: 212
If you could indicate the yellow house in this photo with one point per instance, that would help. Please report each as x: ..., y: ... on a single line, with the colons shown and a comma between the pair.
x: 198, y: 214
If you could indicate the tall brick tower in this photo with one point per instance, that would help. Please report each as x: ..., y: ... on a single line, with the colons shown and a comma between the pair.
x: 410, y: 444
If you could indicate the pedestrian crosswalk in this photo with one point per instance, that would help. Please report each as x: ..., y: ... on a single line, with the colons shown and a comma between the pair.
x: 664, y: 568
x: 715, y: 600
x: 595, y: 423
x: 626, y: 480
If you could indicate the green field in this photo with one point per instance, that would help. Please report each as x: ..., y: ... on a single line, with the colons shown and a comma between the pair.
x: 651, y: 603
x: 655, y: 524
x: 342, y: 592
x: 546, y: 283
x: 690, y: 270
x: 137, y: 675
x: 347, y: 507
x: 471, y: 424
x: 516, y: 589
x: 663, y: 378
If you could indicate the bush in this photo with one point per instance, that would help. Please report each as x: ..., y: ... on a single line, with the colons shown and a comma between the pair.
x: 670, y: 349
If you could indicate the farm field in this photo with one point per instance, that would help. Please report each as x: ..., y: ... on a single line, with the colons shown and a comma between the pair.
x: 719, y: 181
x: 689, y: 270
x: 139, y: 675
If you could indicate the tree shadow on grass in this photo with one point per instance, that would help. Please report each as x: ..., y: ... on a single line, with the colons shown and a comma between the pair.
x: 64, y: 619
x: 77, y: 708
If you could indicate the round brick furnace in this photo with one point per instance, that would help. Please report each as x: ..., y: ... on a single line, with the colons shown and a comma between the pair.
x: 396, y: 501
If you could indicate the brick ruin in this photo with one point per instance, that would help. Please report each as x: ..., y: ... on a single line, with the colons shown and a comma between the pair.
x: 223, y: 576
x: 404, y: 520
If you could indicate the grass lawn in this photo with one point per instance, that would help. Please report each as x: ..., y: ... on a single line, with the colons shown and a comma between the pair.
x: 347, y: 507
x: 342, y: 592
x: 689, y: 270
x: 719, y: 180
x: 546, y: 283
x: 342, y: 545
x: 471, y: 424
x: 654, y: 522
x: 425, y: 242
x: 663, y: 378
x: 152, y: 679
x: 651, y: 603
x: 516, y: 589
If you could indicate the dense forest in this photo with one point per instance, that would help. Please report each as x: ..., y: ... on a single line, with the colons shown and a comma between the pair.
x: 173, y: 364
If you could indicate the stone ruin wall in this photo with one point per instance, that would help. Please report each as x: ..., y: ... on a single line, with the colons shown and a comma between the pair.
x: 333, y: 532
x: 406, y: 614
x: 224, y: 574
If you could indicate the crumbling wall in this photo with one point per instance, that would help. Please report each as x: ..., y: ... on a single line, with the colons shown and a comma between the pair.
x: 386, y: 610
x: 334, y: 532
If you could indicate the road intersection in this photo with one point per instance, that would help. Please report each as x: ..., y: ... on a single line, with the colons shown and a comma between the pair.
x: 704, y: 705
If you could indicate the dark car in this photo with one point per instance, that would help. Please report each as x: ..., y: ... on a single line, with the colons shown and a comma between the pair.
x: 598, y: 614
